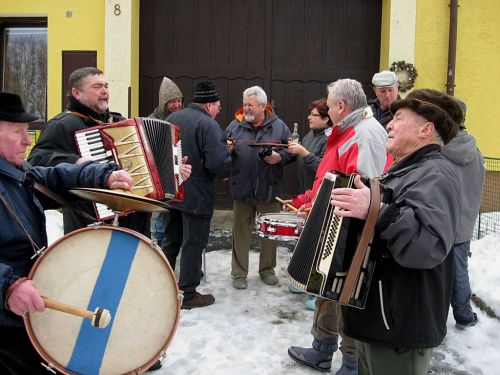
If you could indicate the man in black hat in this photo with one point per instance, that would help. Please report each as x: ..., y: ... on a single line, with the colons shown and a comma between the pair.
x: 408, y: 303
x: 187, y: 224
x: 23, y: 227
x: 87, y: 107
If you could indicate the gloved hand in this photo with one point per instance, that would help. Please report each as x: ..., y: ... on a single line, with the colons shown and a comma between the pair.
x: 24, y: 297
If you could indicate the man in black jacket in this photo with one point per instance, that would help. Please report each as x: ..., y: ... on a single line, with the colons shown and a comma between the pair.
x: 409, y: 299
x: 187, y: 224
x: 87, y: 107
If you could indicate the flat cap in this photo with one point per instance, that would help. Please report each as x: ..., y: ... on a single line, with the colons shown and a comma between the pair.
x: 385, y: 79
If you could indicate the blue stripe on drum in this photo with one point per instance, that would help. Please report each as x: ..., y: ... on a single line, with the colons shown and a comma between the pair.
x: 90, y: 346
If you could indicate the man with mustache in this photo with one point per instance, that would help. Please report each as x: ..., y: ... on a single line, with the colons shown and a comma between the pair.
x: 87, y: 107
x: 24, y: 227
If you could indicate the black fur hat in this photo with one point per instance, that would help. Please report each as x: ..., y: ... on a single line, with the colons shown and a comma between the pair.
x: 437, y: 107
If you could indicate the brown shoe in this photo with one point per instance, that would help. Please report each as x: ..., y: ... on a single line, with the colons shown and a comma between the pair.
x: 199, y: 300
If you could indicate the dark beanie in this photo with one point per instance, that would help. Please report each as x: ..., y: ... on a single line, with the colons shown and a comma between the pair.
x: 439, y: 108
x: 205, y: 92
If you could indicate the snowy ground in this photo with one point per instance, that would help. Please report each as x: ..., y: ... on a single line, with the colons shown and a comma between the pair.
x: 249, y: 331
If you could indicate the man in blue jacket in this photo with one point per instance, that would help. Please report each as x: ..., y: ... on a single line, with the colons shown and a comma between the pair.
x: 187, y: 224
x: 23, y: 227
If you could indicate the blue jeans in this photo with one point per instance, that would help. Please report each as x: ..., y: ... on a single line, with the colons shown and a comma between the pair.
x: 461, y: 294
x: 157, y: 227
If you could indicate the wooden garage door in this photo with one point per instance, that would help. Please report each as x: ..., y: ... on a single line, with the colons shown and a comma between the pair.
x: 292, y: 48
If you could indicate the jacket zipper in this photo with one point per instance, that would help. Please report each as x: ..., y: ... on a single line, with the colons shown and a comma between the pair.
x: 382, y: 309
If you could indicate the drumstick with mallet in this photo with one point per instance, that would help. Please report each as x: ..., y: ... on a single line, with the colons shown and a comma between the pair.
x: 100, y: 318
x: 293, y: 208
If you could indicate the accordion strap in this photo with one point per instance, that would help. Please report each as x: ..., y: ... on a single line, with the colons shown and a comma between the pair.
x: 363, y: 244
x: 81, y: 115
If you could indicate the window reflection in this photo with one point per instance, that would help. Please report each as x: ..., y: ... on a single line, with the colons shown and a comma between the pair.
x: 24, y: 66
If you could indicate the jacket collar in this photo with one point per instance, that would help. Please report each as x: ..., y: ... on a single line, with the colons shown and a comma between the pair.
x: 240, y: 116
x: 354, y: 118
x: 75, y: 106
x: 9, y: 170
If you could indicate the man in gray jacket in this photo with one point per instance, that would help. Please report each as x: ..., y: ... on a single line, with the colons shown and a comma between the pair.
x: 409, y: 298
x: 256, y: 177
x: 469, y: 164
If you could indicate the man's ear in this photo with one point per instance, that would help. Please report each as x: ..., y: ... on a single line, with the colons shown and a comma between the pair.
x: 427, y: 129
x: 75, y: 93
x: 342, y: 106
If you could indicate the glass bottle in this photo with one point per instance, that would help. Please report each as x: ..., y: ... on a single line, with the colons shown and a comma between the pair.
x: 295, y: 134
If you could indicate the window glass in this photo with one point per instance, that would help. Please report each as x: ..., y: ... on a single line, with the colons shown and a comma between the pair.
x: 24, y: 66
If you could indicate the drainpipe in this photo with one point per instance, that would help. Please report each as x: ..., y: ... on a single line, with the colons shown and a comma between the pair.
x: 452, y: 48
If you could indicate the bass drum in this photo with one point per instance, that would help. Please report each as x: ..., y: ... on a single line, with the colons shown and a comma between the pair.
x: 115, y: 269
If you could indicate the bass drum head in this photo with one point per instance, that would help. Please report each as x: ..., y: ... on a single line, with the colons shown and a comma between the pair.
x: 118, y: 270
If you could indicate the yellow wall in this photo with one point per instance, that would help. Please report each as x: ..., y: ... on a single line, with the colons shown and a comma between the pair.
x: 477, y: 74
x: 84, y: 30
x: 135, y: 57
x: 385, y: 34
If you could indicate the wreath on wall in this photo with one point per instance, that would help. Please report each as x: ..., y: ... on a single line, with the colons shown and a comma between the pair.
x: 407, y: 74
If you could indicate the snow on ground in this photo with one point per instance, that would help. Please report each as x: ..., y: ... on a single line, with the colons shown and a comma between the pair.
x: 248, y: 332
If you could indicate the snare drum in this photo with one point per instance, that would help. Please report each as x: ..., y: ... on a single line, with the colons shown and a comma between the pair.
x: 116, y: 269
x: 284, y: 226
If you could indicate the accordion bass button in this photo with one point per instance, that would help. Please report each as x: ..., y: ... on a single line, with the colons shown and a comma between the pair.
x: 126, y: 164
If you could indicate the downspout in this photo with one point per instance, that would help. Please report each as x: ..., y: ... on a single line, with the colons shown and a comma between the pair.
x: 452, y: 48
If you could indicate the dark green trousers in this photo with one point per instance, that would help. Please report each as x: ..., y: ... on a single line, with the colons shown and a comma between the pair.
x: 382, y: 360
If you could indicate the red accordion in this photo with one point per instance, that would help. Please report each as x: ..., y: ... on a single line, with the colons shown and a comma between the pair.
x: 149, y: 149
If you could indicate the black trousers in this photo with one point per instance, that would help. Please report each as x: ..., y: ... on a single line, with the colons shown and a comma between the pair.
x: 17, y: 354
x: 191, y: 234
x: 137, y: 221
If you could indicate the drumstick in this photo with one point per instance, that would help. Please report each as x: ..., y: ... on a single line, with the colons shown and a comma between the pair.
x: 287, y: 204
x: 100, y: 318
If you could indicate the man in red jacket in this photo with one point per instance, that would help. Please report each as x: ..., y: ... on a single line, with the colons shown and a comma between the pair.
x: 356, y: 145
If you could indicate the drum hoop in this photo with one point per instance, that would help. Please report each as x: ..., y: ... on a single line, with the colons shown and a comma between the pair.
x: 277, y: 237
x: 29, y: 329
x: 286, y: 223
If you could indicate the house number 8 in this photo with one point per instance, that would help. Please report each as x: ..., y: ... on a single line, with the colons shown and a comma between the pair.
x: 117, y: 10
